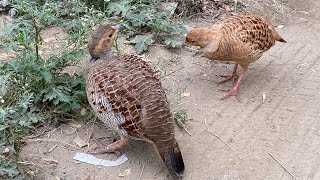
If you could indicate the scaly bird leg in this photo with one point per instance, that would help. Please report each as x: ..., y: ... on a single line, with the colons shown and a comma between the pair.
x: 230, y: 77
x: 111, y: 148
x: 234, y: 91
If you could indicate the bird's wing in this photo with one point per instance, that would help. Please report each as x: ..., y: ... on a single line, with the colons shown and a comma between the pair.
x: 122, y: 82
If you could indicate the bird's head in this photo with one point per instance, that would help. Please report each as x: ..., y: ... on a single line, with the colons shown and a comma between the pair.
x: 202, y: 37
x: 102, y: 40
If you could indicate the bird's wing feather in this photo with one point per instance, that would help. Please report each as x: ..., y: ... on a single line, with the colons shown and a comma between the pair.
x: 121, y: 82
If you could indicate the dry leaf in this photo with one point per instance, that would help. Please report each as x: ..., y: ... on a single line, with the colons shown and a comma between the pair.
x: 74, y: 125
x: 93, y: 146
x: 125, y: 173
x: 83, y: 111
x: 80, y: 142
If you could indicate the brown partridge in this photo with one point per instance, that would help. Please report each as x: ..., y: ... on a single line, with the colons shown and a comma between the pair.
x: 126, y: 94
x: 241, y: 38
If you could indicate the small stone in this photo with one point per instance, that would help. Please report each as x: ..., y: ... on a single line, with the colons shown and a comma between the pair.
x: 280, y: 26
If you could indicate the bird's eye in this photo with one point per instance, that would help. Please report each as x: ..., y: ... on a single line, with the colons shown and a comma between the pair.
x: 110, y: 35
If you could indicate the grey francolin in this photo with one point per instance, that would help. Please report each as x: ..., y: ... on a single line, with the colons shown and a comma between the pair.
x: 241, y: 38
x: 126, y: 94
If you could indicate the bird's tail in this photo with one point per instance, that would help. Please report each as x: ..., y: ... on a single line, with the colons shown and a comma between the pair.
x: 172, y: 158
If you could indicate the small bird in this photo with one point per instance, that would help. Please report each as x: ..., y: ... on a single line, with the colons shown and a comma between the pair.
x: 125, y: 94
x: 241, y: 38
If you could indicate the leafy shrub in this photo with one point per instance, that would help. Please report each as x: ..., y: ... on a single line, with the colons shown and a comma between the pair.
x: 33, y: 89
x: 145, y: 20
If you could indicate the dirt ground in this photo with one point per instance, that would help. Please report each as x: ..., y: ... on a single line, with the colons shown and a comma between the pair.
x: 278, y: 118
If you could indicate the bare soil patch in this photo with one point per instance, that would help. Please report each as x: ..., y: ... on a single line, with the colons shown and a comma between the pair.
x: 279, y: 114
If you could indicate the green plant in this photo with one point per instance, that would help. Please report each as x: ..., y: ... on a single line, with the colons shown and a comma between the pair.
x: 144, y: 21
x: 33, y: 89
x: 181, y: 117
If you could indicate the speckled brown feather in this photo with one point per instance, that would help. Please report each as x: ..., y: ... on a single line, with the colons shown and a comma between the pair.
x: 126, y: 94
x: 133, y: 92
x: 241, y: 38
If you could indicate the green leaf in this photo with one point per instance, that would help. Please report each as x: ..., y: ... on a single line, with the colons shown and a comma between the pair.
x: 173, y: 41
x: 7, y: 168
x: 137, y: 20
x: 57, y: 95
x: 46, y: 75
x: 61, y: 96
x: 118, y: 8
x: 142, y: 42
x: 3, y: 84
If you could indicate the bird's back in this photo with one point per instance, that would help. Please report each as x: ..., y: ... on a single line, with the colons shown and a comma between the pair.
x: 246, y: 37
x: 126, y: 94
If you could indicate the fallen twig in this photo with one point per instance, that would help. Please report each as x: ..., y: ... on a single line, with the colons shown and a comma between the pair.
x: 187, y: 131
x: 142, y: 171
x: 283, y: 166
x: 51, y: 149
x: 50, y: 160
x: 26, y: 163
x: 205, y: 121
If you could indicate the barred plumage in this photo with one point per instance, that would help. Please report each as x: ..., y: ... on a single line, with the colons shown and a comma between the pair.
x: 242, y: 39
x: 126, y: 94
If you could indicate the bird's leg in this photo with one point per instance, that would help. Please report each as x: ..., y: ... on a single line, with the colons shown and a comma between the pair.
x: 111, y: 148
x: 234, y: 91
x: 230, y: 77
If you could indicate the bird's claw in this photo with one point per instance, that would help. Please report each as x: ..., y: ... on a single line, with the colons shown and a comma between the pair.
x: 230, y: 92
x: 104, y: 149
x: 227, y: 78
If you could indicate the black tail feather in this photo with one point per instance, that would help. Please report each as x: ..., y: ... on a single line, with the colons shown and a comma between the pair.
x: 173, y: 161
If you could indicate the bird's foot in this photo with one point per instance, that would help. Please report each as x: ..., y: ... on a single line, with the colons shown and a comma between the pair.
x: 227, y: 78
x: 111, y: 148
x: 230, y: 92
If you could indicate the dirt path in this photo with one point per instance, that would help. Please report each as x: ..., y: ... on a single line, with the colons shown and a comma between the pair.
x: 285, y: 124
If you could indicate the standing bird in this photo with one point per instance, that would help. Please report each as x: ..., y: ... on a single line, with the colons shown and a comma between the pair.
x: 126, y: 94
x: 242, y: 39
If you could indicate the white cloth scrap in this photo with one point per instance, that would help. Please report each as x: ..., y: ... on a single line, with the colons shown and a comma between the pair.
x: 90, y: 159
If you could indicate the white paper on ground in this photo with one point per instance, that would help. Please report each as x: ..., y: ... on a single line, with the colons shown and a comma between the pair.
x: 90, y: 159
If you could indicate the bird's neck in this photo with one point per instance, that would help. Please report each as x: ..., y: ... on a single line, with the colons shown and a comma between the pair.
x: 105, y: 56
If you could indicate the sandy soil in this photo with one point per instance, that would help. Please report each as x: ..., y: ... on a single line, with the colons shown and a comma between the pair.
x: 285, y: 124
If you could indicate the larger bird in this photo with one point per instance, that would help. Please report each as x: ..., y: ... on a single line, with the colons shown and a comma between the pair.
x: 241, y: 38
x: 126, y: 94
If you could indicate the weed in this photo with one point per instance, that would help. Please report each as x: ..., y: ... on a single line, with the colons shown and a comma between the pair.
x: 33, y: 89
x: 144, y: 20
x: 181, y: 117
